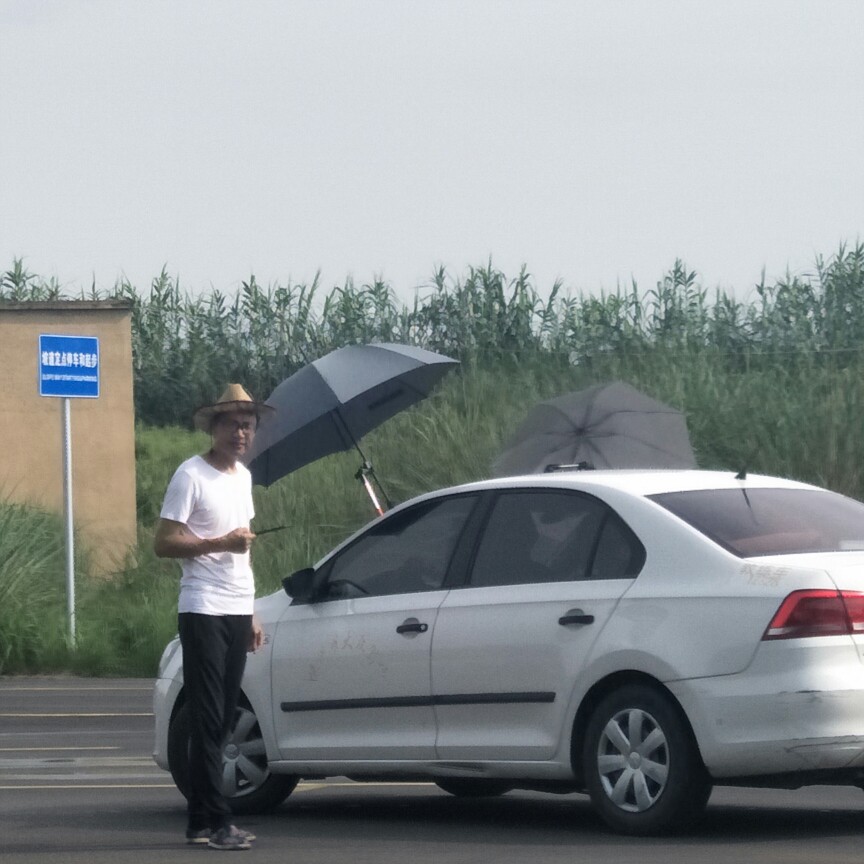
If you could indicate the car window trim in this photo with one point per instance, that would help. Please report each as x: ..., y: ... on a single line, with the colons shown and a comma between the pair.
x: 465, y: 551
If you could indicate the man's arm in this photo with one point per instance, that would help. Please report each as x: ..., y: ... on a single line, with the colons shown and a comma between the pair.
x: 175, y: 540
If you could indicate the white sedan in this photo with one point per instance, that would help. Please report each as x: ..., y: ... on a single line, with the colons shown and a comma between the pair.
x: 637, y: 635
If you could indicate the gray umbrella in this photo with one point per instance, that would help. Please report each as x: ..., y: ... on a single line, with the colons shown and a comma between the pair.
x: 329, y: 405
x: 607, y: 426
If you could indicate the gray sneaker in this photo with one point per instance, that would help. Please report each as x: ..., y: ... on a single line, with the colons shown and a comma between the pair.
x: 230, y: 837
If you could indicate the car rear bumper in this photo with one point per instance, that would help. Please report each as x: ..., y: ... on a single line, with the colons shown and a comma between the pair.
x: 798, y: 707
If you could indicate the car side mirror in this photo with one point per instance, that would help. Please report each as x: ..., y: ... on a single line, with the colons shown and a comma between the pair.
x: 300, y: 584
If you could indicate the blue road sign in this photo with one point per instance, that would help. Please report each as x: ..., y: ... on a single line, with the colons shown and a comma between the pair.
x: 69, y: 366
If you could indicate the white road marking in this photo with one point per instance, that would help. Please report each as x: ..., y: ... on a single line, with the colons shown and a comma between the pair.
x: 302, y: 787
x: 74, y: 689
x: 101, y: 714
x: 91, y: 786
x: 49, y: 749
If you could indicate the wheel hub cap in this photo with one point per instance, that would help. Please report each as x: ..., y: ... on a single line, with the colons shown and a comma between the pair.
x: 633, y: 760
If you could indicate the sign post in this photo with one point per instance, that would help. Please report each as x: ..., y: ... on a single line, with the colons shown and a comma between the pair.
x: 69, y: 368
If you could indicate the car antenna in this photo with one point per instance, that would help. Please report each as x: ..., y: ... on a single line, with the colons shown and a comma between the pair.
x: 741, y: 475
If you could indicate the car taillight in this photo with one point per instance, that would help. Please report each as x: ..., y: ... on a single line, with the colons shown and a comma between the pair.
x: 854, y: 601
x: 817, y: 613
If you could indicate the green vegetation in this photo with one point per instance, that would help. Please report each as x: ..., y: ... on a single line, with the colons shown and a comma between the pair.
x: 773, y: 385
x: 186, y: 347
x: 32, y: 602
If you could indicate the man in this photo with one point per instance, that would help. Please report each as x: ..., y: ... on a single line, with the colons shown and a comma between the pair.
x: 205, y: 522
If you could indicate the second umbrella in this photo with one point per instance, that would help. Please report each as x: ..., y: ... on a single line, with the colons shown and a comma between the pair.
x: 607, y: 426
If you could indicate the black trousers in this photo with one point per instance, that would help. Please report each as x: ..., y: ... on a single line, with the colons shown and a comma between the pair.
x: 214, y: 657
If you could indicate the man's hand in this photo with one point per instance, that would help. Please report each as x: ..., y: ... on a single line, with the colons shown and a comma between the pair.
x: 256, y: 637
x: 239, y: 540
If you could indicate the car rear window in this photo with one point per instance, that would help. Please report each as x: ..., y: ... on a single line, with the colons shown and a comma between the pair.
x: 757, y: 522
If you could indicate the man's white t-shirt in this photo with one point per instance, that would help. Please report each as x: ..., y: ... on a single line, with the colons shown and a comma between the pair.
x: 212, y: 503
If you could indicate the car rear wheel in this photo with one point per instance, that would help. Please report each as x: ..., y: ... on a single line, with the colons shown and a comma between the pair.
x: 247, y: 782
x: 642, y: 766
x: 473, y: 787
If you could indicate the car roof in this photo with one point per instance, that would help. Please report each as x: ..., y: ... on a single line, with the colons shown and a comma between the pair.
x: 637, y: 482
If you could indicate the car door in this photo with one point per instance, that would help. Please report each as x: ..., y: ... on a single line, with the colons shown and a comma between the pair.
x: 549, y: 568
x: 351, y: 670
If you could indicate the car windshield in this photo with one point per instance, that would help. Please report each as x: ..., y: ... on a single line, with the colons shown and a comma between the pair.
x: 756, y: 522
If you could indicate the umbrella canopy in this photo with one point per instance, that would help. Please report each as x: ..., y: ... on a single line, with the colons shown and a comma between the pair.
x: 333, y: 402
x: 608, y: 426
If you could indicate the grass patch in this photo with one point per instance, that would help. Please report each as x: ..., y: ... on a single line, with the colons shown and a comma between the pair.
x: 32, y: 590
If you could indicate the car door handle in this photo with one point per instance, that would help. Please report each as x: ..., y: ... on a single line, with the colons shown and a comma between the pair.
x: 575, y: 616
x: 412, y: 625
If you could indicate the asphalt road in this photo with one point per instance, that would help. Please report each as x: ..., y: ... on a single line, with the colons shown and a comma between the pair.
x: 77, y: 783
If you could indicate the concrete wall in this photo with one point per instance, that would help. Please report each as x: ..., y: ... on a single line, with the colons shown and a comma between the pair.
x: 103, y: 429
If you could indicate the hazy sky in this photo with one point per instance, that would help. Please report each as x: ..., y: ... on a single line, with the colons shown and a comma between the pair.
x: 593, y: 141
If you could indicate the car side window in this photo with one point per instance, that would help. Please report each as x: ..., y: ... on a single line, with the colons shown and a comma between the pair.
x: 550, y: 536
x: 405, y: 553
x: 619, y: 553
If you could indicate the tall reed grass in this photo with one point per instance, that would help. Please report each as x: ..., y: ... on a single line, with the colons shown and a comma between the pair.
x: 32, y: 601
x: 185, y: 347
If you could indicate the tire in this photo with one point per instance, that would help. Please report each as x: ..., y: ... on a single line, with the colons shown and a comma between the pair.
x: 473, y: 787
x: 642, y: 767
x: 251, y: 787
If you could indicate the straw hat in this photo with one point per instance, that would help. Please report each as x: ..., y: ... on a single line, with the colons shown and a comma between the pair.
x: 234, y: 398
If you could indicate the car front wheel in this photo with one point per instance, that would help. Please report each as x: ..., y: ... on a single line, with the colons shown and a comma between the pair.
x: 642, y: 766
x: 247, y: 782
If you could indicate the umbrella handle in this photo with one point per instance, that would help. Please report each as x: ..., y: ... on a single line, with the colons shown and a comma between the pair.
x: 365, y: 467
x: 365, y: 480
x: 363, y: 476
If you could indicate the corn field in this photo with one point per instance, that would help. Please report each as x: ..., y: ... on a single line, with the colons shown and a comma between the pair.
x: 186, y: 347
